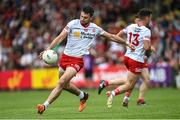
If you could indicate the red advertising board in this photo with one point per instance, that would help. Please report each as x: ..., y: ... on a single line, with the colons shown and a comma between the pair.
x: 15, y: 80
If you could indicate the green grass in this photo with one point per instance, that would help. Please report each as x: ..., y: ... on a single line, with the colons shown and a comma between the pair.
x: 162, y: 104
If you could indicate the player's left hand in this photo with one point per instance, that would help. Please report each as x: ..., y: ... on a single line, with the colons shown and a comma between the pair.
x: 40, y: 55
x: 131, y: 46
x: 153, y: 49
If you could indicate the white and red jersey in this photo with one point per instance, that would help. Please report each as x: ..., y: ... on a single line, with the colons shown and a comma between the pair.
x: 136, y: 35
x: 80, y: 38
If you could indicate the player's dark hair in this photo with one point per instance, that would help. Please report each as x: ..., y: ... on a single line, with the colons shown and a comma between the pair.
x: 144, y: 12
x: 88, y: 10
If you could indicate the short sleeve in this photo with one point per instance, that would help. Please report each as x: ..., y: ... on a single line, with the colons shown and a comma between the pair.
x: 125, y: 30
x: 147, y: 35
x: 69, y: 25
x: 100, y: 30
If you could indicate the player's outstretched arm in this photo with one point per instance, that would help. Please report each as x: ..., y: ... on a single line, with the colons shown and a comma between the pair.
x: 121, y: 33
x: 116, y: 38
x: 56, y: 41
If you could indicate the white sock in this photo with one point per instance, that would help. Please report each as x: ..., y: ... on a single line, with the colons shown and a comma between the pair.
x: 81, y: 95
x: 125, y: 97
x: 46, y: 104
x: 113, y: 93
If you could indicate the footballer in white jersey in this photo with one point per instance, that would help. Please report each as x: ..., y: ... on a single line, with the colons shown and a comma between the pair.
x: 137, y: 35
x: 80, y: 34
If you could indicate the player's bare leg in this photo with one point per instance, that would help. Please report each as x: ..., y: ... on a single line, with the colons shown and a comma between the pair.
x: 70, y: 87
x: 142, y: 90
x: 127, y: 94
x: 64, y: 79
x: 129, y: 84
x: 76, y: 91
x: 144, y: 86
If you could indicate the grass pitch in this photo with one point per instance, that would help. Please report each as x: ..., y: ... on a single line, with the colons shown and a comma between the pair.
x: 162, y: 103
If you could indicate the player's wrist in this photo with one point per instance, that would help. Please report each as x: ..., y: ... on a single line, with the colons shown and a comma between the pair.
x: 126, y: 43
x: 48, y: 48
x: 153, y: 49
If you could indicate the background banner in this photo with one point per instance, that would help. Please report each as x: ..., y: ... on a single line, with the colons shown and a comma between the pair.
x: 15, y: 79
x: 160, y: 75
x: 47, y: 78
x: 44, y: 78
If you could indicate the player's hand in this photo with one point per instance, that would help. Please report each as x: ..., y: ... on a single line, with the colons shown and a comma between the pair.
x: 153, y: 49
x: 149, y: 52
x: 40, y: 55
x: 131, y: 46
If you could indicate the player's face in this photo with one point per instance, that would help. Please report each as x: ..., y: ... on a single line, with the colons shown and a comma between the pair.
x: 84, y: 18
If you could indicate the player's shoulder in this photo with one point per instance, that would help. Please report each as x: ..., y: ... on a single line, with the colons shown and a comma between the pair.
x: 144, y: 28
x: 74, y: 21
x: 94, y: 25
x: 131, y: 26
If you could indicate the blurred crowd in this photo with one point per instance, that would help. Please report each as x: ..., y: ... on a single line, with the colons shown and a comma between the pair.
x: 28, y: 26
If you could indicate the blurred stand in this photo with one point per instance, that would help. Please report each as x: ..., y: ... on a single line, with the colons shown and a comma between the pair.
x: 27, y: 28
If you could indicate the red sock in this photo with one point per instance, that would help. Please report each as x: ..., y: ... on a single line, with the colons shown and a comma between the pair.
x: 117, y: 91
x: 141, y: 100
x: 106, y: 83
x: 128, y: 93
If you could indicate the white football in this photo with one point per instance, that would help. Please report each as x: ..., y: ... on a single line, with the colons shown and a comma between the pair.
x: 50, y: 57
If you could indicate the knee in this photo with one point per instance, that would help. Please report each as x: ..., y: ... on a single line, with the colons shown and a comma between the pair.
x: 62, y: 83
x: 128, y: 85
x: 131, y: 87
x: 66, y: 86
x: 148, y: 83
x: 147, y: 80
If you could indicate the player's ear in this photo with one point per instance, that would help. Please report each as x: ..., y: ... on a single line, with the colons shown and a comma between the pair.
x: 91, y: 18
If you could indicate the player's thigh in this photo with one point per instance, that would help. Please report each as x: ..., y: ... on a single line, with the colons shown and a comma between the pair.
x: 69, y: 73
